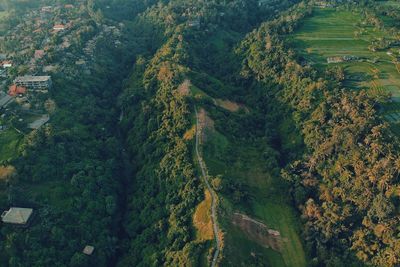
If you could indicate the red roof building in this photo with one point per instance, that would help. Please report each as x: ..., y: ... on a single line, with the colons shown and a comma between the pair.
x: 39, y: 54
x: 6, y: 64
x: 59, y: 27
x: 15, y: 90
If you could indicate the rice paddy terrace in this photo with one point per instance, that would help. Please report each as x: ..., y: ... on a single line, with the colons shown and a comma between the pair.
x: 345, y: 38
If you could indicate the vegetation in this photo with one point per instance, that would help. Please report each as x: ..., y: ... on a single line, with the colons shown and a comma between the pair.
x: 306, y: 148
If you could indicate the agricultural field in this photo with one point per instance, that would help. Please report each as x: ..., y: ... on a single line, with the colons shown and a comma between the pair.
x: 392, y: 3
x: 332, y: 33
x: 265, y: 200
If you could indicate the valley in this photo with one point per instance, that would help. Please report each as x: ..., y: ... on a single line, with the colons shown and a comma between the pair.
x: 199, y: 133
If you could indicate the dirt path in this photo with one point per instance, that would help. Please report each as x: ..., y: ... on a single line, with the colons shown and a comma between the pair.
x: 212, y: 193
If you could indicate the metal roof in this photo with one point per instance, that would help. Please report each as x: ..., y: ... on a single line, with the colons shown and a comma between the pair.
x: 29, y: 78
x: 4, y: 99
x: 16, y: 215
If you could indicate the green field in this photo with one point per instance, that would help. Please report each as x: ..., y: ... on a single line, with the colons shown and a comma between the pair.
x: 268, y: 202
x: 9, y: 142
x: 330, y: 33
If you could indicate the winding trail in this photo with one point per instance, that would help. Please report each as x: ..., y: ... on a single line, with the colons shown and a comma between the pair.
x: 212, y: 193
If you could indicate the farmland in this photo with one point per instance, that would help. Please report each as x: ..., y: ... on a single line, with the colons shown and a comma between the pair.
x: 242, y: 163
x: 330, y: 33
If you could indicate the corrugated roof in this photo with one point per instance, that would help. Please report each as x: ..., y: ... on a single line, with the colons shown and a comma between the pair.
x: 16, y: 215
x: 29, y: 78
x: 4, y: 99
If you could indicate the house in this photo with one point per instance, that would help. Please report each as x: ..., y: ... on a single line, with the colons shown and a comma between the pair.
x: 37, y: 124
x: 39, y: 54
x: 59, y: 27
x: 335, y: 59
x: 342, y: 59
x: 18, y: 216
x: 3, y: 73
x: 194, y: 23
x: 46, y: 9
x: 6, y: 64
x: 5, y: 99
x: 88, y: 250
x: 15, y: 90
x: 80, y: 62
x: 34, y: 82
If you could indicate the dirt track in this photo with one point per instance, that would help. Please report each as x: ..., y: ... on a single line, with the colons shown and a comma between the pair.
x: 212, y: 193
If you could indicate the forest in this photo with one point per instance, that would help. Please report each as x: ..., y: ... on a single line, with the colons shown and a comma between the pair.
x: 294, y: 143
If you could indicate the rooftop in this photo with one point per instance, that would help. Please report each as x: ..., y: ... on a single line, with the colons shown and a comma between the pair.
x: 4, y: 99
x: 88, y: 250
x: 29, y: 78
x: 16, y: 215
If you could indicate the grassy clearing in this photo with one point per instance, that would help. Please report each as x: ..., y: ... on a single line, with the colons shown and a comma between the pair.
x: 6, y: 172
x: 267, y: 202
x: 9, y: 143
x: 3, y: 14
x: 202, y: 219
x: 55, y: 193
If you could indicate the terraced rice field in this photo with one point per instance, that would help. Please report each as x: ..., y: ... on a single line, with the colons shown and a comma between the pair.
x: 338, y: 33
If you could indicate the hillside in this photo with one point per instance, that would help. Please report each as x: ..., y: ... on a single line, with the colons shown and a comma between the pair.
x: 200, y: 133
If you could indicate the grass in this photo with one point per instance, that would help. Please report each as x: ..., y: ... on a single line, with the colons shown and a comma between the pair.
x: 6, y: 172
x: 55, y: 193
x: 3, y: 14
x: 202, y: 219
x: 268, y: 203
x: 9, y: 144
x: 329, y: 32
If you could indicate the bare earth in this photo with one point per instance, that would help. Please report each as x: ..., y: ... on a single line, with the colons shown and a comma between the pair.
x: 258, y: 231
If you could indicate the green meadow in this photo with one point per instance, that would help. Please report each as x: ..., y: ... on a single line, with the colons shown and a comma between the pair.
x: 9, y: 143
x: 267, y: 202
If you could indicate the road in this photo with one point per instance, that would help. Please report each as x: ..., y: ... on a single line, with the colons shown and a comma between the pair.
x: 212, y: 193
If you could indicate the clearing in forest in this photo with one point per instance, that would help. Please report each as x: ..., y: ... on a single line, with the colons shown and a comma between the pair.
x: 202, y: 219
x: 335, y: 34
x: 251, y: 188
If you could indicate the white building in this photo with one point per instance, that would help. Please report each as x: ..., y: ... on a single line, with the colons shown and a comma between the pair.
x: 34, y: 82
x: 18, y: 216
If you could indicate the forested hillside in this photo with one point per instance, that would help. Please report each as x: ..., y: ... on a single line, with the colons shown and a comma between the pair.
x: 302, y: 154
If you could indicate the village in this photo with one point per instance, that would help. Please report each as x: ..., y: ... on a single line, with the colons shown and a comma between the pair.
x: 47, y: 42
x: 48, y: 45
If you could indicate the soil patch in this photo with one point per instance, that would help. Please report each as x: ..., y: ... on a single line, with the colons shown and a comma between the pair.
x: 6, y: 172
x: 258, y: 231
x: 205, y: 124
x: 184, y: 88
x: 230, y: 105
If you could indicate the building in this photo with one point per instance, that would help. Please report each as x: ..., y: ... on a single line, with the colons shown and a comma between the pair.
x: 194, y: 23
x: 39, y: 54
x: 5, y: 99
x: 19, y: 216
x: 335, y: 59
x: 59, y: 27
x: 34, y: 82
x: 6, y: 64
x: 37, y: 124
x: 88, y: 250
x: 3, y: 73
x: 15, y: 90
x: 47, y: 9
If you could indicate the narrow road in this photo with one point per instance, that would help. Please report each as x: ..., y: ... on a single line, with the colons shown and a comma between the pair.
x: 212, y: 193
